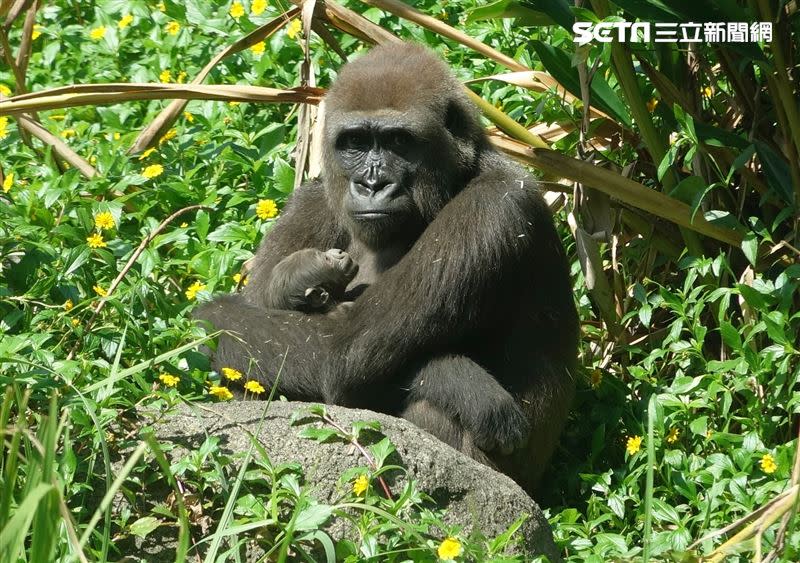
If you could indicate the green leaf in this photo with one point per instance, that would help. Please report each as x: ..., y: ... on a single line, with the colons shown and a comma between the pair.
x: 730, y: 336
x: 776, y: 323
x: 284, y: 176
x: 360, y: 425
x: 510, y: 9
x: 776, y: 168
x: 651, y: 10
x: 527, y: 12
x: 381, y: 451
x: 144, y: 526
x: 664, y: 512
x: 75, y: 259
x: 750, y: 247
x: 319, y: 434
x: 558, y: 63
x: 753, y: 298
x: 689, y: 190
x: 232, y: 232
x: 201, y: 224
x: 645, y: 314
x: 312, y: 517
x: 666, y: 162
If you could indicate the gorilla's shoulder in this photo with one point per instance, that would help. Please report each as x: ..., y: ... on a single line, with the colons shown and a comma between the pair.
x: 501, y: 171
x: 308, y: 192
x: 309, y: 199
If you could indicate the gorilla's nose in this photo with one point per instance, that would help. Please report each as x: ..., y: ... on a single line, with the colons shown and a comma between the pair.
x: 337, y: 253
x: 371, y: 187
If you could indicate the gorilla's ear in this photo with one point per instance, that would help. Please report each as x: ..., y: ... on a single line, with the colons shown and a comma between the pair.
x: 457, y: 120
x: 317, y: 297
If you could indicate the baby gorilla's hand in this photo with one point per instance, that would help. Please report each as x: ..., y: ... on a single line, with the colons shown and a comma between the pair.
x: 328, y: 280
x: 341, y: 261
x: 310, y: 280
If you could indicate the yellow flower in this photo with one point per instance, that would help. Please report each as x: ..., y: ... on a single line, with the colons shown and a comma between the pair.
x: 3, y: 127
x: 153, y: 171
x: 5, y: 90
x: 254, y: 387
x: 294, y: 28
x: 165, y: 75
x: 181, y: 76
x: 707, y: 91
x: 234, y: 104
x: 161, y: 7
x: 147, y: 153
x: 67, y: 133
x: 75, y: 322
x: 194, y: 289
x: 237, y: 277
x: 183, y: 225
x: 93, y: 160
x: 125, y: 21
x: 237, y: 10
x: 37, y: 32
x: 449, y: 549
x: 169, y: 380
x: 8, y: 182
x: 95, y: 240
x: 97, y: 33
x: 672, y: 437
x: 117, y: 136
x: 360, y: 485
x: 768, y: 464
x: 58, y: 117
x: 171, y: 134
x: 188, y: 116
x: 68, y: 305
x: 104, y: 220
x: 634, y: 445
x: 266, y: 209
x: 100, y: 291
x: 258, y: 7
x: 652, y: 104
x: 172, y: 28
x: 597, y: 378
x: 222, y: 393
x: 258, y: 48
x: 232, y: 374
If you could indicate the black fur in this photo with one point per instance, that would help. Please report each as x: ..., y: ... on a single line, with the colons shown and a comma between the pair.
x: 466, y: 324
x: 310, y: 280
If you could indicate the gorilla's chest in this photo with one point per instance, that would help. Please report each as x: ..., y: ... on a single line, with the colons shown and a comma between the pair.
x: 372, y: 264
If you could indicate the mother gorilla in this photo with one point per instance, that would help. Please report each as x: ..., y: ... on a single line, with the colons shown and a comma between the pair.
x: 463, y: 319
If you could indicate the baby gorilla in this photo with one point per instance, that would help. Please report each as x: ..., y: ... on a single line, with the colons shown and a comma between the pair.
x: 311, y: 281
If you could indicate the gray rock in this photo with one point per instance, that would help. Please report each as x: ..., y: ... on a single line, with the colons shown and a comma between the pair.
x: 471, y: 493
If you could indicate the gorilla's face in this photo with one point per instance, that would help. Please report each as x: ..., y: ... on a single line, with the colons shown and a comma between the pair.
x: 380, y: 160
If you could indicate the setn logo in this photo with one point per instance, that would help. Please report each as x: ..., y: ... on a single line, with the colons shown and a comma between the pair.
x: 606, y: 32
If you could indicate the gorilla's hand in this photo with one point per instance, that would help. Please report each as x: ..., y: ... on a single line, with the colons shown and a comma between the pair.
x: 457, y: 385
x: 498, y: 425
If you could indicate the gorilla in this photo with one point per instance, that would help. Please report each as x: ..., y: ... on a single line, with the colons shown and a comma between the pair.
x: 310, y: 280
x: 462, y: 317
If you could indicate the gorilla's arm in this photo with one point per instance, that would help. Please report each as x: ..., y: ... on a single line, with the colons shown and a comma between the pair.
x: 483, y: 244
x: 306, y: 222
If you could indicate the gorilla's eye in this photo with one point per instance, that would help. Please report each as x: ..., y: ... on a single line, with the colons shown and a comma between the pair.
x: 399, y: 140
x: 353, y: 140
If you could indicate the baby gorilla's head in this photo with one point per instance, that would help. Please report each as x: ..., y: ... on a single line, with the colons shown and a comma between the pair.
x: 311, y: 280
